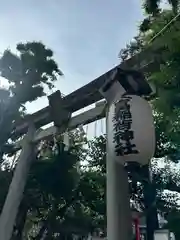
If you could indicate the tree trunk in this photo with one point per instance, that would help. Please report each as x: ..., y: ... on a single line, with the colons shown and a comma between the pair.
x: 150, y: 204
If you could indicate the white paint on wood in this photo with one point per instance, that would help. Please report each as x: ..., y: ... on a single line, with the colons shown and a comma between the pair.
x: 15, y: 193
x: 118, y: 199
x: 89, y: 116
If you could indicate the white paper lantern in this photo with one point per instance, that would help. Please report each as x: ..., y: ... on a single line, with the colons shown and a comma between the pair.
x: 130, y: 130
x: 162, y: 234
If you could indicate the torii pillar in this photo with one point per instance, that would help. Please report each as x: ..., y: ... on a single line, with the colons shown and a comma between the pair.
x: 119, y: 219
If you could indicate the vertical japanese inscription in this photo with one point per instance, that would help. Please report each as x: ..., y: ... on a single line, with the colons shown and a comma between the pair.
x: 123, y: 134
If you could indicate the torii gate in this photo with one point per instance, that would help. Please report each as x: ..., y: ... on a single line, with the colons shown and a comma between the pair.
x: 59, y: 111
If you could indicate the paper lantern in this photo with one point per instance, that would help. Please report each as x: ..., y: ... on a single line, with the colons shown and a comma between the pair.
x: 130, y: 130
x: 162, y: 234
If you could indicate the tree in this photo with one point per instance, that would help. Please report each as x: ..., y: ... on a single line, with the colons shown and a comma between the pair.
x: 27, y: 74
x: 165, y: 179
x: 165, y: 52
x: 54, y: 202
x: 153, y: 7
x: 42, y: 200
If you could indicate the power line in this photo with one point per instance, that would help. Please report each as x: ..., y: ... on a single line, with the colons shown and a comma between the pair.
x: 164, y: 28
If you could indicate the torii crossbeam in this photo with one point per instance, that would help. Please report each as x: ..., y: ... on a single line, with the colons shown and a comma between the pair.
x: 133, y: 82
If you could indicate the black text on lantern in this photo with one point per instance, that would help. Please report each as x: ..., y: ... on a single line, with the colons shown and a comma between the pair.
x: 123, y: 134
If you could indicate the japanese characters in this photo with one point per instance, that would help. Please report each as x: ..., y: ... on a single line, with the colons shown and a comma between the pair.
x: 123, y: 134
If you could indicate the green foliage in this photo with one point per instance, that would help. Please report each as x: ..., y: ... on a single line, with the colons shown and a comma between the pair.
x: 4, y: 99
x: 93, y: 188
x: 27, y: 71
x: 153, y: 7
x: 97, y: 154
x: 167, y: 79
x: 50, y: 191
x: 165, y: 50
x: 57, y: 172
x: 173, y: 218
x: 61, y: 196
x: 167, y: 141
x: 58, y: 192
x: 166, y: 178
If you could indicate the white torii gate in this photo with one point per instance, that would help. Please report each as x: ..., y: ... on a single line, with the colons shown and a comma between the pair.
x: 118, y: 207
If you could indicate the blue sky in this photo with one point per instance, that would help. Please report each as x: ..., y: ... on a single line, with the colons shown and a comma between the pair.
x: 85, y: 35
